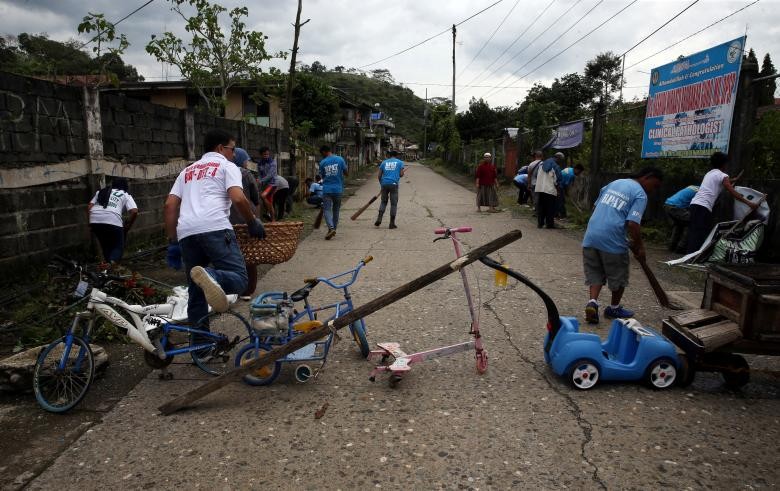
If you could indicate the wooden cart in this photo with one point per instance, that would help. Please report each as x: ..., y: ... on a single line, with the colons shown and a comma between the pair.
x: 740, y: 314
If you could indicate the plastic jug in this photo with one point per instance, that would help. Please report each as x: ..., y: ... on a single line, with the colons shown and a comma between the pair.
x: 500, y: 278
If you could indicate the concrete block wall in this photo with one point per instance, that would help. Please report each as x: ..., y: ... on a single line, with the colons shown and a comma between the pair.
x: 56, y: 150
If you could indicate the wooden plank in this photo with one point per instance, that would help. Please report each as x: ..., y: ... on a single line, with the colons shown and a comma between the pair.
x: 728, y: 313
x: 691, y: 318
x: 716, y: 335
x: 336, y: 324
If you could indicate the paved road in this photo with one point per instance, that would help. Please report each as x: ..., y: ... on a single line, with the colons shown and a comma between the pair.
x: 518, y: 425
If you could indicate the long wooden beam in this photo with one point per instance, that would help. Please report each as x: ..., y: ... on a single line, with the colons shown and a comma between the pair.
x: 345, y: 320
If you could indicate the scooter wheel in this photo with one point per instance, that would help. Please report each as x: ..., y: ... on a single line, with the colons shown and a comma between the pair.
x: 394, y: 381
x: 482, y: 362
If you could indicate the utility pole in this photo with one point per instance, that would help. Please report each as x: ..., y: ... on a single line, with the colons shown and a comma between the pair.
x: 453, y: 68
x: 291, y: 84
x: 425, y: 124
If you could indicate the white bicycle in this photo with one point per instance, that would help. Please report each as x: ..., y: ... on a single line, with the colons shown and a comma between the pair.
x: 65, y: 368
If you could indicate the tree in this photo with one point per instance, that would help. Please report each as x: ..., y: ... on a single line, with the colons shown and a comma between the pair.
x: 766, y: 95
x: 751, y: 56
x: 318, y: 67
x: 481, y: 121
x: 604, y: 74
x: 108, y: 47
x: 383, y: 75
x: 212, y: 61
x: 339, y: 69
x: 315, y: 108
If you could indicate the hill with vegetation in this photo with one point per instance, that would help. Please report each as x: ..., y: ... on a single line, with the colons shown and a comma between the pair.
x: 399, y: 103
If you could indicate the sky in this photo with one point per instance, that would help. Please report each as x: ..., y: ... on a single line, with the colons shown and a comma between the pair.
x: 358, y: 33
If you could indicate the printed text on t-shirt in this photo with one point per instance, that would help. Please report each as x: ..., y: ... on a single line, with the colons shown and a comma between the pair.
x: 331, y: 170
x: 614, y: 199
x: 199, y: 171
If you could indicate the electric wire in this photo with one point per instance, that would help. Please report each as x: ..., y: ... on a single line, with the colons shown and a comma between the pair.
x: 116, y: 23
x: 574, y: 43
x: 692, y: 35
x: 546, y: 47
x: 490, y: 38
x: 511, y: 44
x: 432, y: 37
x: 659, y: 28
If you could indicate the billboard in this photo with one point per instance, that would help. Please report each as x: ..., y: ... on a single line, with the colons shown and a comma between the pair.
x: 691, y: 102
x: 568, y: 135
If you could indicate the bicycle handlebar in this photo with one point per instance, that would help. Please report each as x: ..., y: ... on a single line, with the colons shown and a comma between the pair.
x: 440, y: 231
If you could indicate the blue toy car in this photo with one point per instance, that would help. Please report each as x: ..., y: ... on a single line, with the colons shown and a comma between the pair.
x: 631, y: 351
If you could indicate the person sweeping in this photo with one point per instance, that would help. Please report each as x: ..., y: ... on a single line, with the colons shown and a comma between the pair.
x: 390, y: 173
x: 486, y: 184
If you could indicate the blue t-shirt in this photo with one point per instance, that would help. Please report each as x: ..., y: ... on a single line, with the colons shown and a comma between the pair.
x: 618, y: 202
x: 567, y: 177
x: 391, y: 171
x: 315, y: 189
x: 521, y: 178
x: 332, y: 171
x: 682, y: 198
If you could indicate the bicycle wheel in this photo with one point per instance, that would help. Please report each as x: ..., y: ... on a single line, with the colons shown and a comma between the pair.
x: 358, y: 329
x: 59, y: 389
x: 259, y: 376
x: 231, y: 330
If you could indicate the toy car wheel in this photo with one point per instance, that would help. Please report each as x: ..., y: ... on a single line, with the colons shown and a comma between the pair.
x: 661, y: 374
x: 584, y: 374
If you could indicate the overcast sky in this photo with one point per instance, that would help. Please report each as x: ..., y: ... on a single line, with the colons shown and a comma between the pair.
x: 356, y: 33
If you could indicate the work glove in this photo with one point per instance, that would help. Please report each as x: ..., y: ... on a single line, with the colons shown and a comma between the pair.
x: 173, y: 257
x: 256, y: 229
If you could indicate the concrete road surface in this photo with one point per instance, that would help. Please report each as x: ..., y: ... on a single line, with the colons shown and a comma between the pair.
x: 444, y: 426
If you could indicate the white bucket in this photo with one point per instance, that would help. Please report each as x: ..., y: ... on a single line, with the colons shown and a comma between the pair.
x: 741, y: 209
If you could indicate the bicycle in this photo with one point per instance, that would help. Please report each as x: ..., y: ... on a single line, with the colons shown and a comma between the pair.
x: 279, y: 305
x: 65, y: 369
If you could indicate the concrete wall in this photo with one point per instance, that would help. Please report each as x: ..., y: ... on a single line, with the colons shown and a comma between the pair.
x: 176, y: 98
x: 59, y: 145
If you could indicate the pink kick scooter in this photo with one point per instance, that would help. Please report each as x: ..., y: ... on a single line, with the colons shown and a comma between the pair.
x: 402, y: 362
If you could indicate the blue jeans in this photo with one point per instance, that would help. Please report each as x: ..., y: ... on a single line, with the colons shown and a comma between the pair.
x: 220, y: 249
x: 331, y: 204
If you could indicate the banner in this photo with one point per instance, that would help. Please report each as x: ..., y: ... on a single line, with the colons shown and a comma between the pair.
x: 691, y: 103
x: 567, y: 136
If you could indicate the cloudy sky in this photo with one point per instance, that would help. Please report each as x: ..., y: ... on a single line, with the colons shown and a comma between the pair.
x: 358, y: 33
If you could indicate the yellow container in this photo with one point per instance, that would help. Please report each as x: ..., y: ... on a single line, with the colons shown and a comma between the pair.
x: 501, y: 278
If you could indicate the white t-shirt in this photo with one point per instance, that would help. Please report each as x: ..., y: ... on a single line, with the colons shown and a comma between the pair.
x: 202, y: 187
x: 281, y: 183
x: 118, y: 202
x: 710, y: 188
x: 533, y: 169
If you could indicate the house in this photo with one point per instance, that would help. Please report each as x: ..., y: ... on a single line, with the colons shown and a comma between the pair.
x: 243, y: 102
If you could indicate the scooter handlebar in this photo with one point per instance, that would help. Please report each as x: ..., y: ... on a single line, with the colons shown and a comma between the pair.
x: 440, y: 231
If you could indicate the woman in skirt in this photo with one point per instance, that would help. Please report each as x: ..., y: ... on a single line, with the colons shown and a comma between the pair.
x: 486, y: 184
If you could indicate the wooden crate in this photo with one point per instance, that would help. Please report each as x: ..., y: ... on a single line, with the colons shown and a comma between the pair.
x: 701, y: 330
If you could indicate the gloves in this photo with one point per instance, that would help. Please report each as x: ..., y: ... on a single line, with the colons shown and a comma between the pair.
x: 256, y: 229
x: 174, y: 256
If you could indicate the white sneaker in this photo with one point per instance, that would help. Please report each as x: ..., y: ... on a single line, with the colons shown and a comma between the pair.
x: 215, y: 295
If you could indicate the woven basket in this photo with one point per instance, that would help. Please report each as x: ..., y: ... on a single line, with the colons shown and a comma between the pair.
x: 281, y: 240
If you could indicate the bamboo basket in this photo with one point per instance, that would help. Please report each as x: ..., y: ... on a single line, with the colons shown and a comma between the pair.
x: 279, y: 245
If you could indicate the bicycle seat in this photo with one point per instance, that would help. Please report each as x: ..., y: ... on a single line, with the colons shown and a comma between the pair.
x: 302, y: 293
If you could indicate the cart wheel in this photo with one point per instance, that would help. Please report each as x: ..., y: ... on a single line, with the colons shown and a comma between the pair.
x: 259, y: 376
x: 661, y: 374
x: 394, y: 380
x: 482, y: 362
x: 737, y: 371
x: 687, y: 371
x: 584, y: 374
x: 303, y: 373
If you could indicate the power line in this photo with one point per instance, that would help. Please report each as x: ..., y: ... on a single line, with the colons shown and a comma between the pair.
x: 513, y: 42
x: 116, y: 23
x: 661, y: 27
x: 548, y: 45
x: 432, y: 37
x: 491, y: 37
x: 694, y: 34
x: 576, y: 42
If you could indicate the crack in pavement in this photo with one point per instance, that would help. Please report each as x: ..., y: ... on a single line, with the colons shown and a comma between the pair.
x: 574, y: 408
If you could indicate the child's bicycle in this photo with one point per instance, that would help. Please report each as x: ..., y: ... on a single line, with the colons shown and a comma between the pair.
x: 276, y: 322
x: 65, y: 368
x: 402, y: 362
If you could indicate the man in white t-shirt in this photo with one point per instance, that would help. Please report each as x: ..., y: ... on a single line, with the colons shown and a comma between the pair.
x: 701, y: 205
x: 197, y: 217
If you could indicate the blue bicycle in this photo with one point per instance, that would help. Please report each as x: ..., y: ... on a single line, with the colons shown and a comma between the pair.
x: 275, y: 322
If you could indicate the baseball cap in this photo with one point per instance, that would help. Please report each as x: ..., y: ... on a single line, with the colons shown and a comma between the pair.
x: 487, y: 155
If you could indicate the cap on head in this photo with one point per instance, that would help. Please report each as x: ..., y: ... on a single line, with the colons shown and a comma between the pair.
x: 559, y: 155
x: 487, y: 156
x: 240, y: 156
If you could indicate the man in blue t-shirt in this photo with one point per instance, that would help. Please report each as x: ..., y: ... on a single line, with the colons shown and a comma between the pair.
x: 332, y: 169
x: 390, y: 172
x: 677, y: 208
x: 314, y: 196
x: 568, y: 175
x: 619, y: 209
